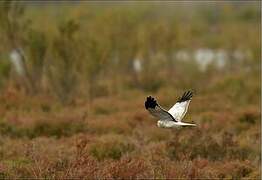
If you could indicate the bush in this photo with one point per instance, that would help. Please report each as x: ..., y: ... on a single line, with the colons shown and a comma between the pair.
x: 43, y: 128
x: 110, y: 148
x: 127, y: 168
x: 249, y: 116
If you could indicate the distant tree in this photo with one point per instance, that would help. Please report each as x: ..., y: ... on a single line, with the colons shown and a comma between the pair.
x: 29, y: 46
x: 36, y: 48
x: 12, y: 26
x: 62, y: 64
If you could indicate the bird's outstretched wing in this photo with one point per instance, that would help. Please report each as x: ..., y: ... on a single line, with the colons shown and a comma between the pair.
x: 179, y: 110
x: 152, y: 106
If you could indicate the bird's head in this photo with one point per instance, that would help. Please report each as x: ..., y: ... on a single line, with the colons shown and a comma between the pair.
x: 160, y: 124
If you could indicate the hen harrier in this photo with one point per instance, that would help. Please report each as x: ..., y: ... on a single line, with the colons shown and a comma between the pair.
x: 171, y: 118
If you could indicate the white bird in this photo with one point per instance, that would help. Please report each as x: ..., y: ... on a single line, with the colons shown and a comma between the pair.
x: 173, y: 117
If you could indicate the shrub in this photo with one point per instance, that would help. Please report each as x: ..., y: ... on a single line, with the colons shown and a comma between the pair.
x: 43, y: 128
x: 110, y: 147
x: 56, y: 129
x: 196, y: 145
x: 249, y: 116
x: 126, y: 168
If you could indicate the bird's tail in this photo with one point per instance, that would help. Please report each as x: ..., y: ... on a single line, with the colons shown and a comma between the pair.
x: 187, y: 124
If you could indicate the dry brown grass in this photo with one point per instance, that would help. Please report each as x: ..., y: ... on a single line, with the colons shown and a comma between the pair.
x: 122, y: 140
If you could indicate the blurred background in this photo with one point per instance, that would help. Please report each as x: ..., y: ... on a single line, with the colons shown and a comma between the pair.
x: 74, y: 77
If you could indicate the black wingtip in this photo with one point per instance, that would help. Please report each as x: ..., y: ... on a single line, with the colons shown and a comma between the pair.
x: 186, y: 96
x: 150, y: 102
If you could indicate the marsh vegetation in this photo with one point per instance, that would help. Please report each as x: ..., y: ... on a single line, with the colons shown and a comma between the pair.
x: 74, y: 77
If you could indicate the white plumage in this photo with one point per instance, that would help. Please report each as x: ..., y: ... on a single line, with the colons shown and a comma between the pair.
x: 173, y: 117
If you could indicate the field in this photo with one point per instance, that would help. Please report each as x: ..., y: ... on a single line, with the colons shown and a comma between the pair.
x: 74, y: 78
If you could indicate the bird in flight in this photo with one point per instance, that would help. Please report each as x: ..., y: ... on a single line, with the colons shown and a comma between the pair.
x: 173, y: 117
